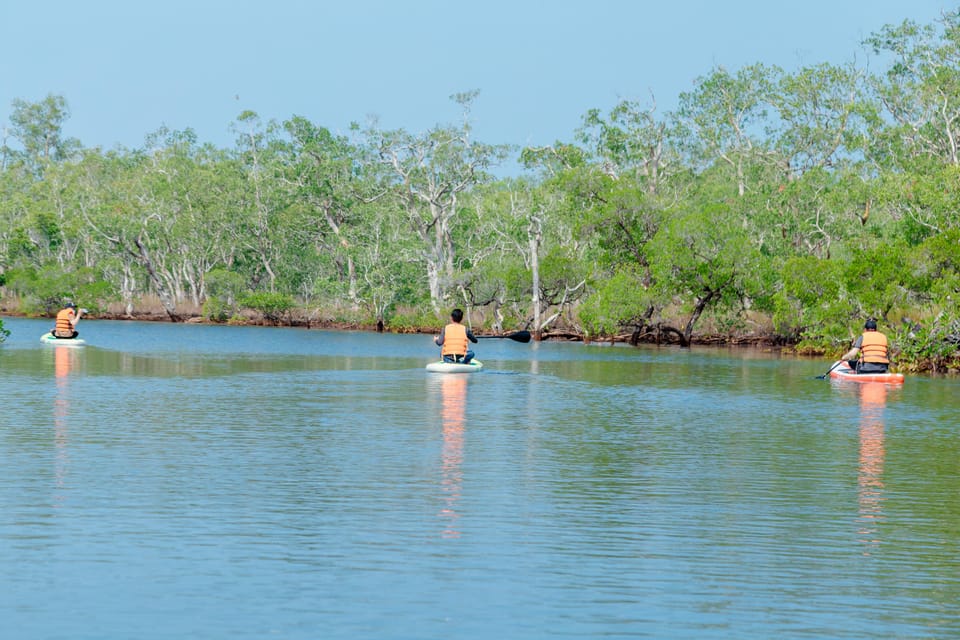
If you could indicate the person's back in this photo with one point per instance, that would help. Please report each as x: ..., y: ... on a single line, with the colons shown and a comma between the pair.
x: 455, y: 339
x: 873, y: 352
x: 66, y: 322
x: 872, y: 347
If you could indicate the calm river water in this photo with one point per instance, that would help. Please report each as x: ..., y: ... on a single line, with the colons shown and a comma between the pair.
x: 184, y: 481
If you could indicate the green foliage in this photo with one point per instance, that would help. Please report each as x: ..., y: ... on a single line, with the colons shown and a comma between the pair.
x: 818, y: 107
x: 45, y: 290
x: 225, y: 284
x: 354, y: 317
x: 809, y: 303
x: 406, y: 319
x: 616, y: 302
x: 20, y: 249
x: 4, y: 332
x: 561, y: 276
x: 224, y: 288
x: 272, y: 306
x: 702, y: 259
x: 921, y: 92
x: 818, y: 197
x: 821, y: 299
x: 935, y: 268
x: 217, y: 310
x: 922, y: 202
x: 39, y: 128
x: 930, y: 346
x: 876, y: 281
x: 554, y: 159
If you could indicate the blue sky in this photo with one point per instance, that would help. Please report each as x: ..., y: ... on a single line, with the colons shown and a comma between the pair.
x: 127, y: 67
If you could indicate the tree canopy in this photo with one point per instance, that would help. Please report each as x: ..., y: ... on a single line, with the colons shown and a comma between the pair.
x: 789, y: 203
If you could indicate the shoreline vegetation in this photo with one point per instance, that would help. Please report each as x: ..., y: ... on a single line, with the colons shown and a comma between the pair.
x: 762, y: 336
x: 772, y: 206
x: 649, y: 335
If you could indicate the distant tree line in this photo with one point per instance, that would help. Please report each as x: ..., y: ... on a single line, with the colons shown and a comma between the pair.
x: 790, y: 203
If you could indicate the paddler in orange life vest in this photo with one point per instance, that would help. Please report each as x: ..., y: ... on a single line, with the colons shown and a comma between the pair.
x: 872, y: 346
x: 67, y: 319
x: 453, y: 340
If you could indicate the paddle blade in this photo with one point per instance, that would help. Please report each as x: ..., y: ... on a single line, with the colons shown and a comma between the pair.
x: 519, y: 336
x: 835, y: 365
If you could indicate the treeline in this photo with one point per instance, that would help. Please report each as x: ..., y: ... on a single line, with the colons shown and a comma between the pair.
x: 791, y: 203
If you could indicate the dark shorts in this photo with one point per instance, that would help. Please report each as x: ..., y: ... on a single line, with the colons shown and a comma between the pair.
x: 869, y: 367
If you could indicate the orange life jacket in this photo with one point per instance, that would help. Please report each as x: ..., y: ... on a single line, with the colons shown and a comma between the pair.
x: 454, y: 340
x: 64, y: 327
x: 873, y: 347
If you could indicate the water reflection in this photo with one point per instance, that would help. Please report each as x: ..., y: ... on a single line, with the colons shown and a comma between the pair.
x: 64, y: 359
x: 453, y: 403
x: 873, y: 400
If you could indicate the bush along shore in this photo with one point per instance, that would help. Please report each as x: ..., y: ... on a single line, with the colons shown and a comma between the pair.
x: 829, y: 196
x: 915, y: 348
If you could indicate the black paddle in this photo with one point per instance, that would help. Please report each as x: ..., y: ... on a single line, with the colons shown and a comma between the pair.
x: 835, y: 365
x: 519, y: 336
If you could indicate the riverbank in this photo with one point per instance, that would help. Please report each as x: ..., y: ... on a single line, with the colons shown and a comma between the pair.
x: 908, y: 357
x: 249, y: 318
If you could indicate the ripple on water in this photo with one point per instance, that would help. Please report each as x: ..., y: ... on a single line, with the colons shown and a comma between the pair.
x: 608, y: 494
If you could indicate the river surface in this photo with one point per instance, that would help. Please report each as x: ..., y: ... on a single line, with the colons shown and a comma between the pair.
x: 190, y: 481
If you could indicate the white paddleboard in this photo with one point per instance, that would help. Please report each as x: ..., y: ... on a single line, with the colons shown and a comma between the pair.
x: 49, y: 338
x: 455, y: 367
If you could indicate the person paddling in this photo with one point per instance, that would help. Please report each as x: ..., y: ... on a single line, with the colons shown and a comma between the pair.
x: 453, y: 340
x: 872, y: 347
x: 67, y: 319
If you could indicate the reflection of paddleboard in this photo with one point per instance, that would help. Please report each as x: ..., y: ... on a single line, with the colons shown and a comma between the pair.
x: 844, y: 372
x: 455, y: 367
x: 49, y: 338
